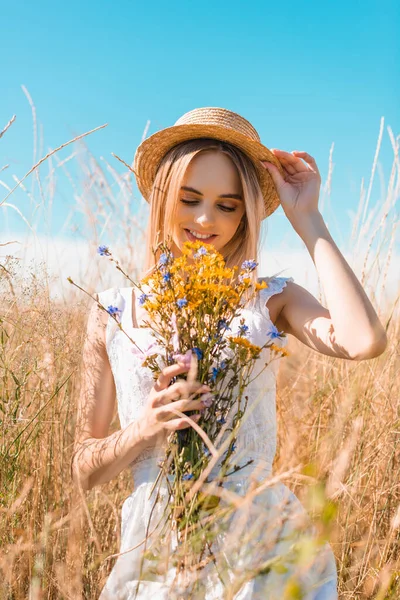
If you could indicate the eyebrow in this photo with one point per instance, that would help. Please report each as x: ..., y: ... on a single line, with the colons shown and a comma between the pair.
x: 190, y: 189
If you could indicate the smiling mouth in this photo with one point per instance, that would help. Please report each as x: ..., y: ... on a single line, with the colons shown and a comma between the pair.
x: 193, y: 237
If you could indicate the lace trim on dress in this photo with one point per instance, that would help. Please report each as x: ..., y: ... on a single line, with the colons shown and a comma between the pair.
x: 275, y: 286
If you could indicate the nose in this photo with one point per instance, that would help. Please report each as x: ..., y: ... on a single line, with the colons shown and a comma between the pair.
x: 205, y: 217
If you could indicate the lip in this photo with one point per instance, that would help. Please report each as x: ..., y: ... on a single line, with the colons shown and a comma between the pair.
x: 192, y: 238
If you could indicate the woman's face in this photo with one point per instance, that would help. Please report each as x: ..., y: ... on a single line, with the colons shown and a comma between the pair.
x: 210, y: 201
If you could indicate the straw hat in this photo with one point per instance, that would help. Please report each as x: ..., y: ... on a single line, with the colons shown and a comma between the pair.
x: 209, y: 122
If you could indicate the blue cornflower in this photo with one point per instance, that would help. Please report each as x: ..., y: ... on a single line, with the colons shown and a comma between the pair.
x: 233, y: 447
x: 223, y: 364
x: 103, y: 251
x: 222, y: 324
x: 167, y: 277
x: 198, y: 352
x: 200, y: 252
x: 243, y: 330
x: 215, y: 372
x: 113, y: 310
x: 187, y: 476
x: 181, y: 302
x: 249, y: 265
x: 273, y: 332
x: 143, y: 298
x: 163, y: 259
x: 221, y: 420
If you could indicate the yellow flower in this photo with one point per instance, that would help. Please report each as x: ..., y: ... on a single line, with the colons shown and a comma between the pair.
x: 276, y: 348
x: 261, y: 286
x: 244, y: 343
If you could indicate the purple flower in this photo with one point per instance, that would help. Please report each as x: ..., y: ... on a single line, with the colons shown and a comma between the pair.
x: 181, y: 302
x: 249, y: 265
x: 273, y: 332
x: 163, y: 259
x: 243, y: 330
x: 114, y: 310
x: 143, y: 298
x: 103, y: 251
x: 167, y: 277
x: 200, y: 252
x: 234, y: 447
x: 198, y: 352
x: 153, y: 348
x: 215, y: 372
x: 222, y: 421
x: 222, y: 324
x: 184, y: 358
x: 187, y: 476
x: 223, y: 364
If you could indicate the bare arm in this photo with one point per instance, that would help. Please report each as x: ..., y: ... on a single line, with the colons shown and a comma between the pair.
x: 99, y: 457
x: 349, y: 327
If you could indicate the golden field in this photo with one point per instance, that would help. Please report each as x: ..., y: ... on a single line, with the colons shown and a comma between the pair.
x: 338, y: 425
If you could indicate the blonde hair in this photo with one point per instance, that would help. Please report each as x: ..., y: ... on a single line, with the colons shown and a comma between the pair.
x: 165, y: 194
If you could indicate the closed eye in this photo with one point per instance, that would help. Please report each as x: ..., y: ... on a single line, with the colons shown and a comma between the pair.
x: 221, y: 206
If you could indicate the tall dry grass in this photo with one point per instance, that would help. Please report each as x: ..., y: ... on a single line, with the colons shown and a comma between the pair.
x: 339, y: 419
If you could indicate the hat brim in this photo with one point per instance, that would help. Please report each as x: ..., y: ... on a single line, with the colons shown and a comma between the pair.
x: 151, y: 151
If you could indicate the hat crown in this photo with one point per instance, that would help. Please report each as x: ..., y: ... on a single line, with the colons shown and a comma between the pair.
x: 221, y: 117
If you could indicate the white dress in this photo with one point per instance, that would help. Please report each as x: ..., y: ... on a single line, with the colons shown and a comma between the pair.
x: 276, y: 509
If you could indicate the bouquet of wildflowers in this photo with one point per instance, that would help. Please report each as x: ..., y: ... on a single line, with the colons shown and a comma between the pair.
x: 192, y: 302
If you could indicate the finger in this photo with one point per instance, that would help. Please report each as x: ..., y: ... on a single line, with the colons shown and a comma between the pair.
x: 183, y: 390
x: 289, y: 159
x: 179, y: 390
x: 164, y: 414
x: 192, y: 375
x: 277, y: 178
x: 167, y: 411
x: 168, y: 373
x: 308, y: 158
x: 288, y: 169
x: 186, y: 404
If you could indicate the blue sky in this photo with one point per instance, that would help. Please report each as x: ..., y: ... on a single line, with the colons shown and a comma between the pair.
x: 305, y: 74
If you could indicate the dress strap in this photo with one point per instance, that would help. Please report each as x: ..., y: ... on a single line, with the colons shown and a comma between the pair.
x: 275, y: 286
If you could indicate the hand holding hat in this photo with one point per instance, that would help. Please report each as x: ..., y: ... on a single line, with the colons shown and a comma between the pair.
x: 298, y: 187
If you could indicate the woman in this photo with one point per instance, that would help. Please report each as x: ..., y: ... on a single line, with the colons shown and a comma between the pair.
x: 209, y: 177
